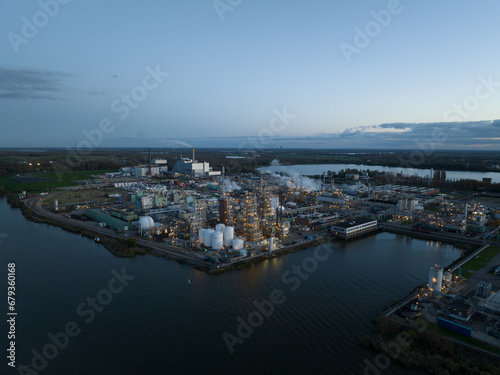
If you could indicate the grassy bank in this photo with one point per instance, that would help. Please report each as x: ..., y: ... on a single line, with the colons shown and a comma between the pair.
x: 481, y: 260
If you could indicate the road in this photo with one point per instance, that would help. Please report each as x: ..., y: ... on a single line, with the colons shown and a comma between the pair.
x: 35, y: 204
x: 435, y: 236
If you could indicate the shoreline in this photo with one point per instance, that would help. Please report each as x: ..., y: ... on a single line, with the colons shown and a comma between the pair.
x: 422, y: 344
x: 119, y: 247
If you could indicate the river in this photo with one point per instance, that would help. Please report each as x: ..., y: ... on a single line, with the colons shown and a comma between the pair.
x: 150, y: 320
x: 318, y: 169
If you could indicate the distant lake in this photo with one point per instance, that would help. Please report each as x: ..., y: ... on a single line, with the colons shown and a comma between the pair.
x: 317, y: 169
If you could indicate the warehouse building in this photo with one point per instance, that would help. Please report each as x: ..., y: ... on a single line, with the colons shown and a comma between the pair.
x: 110, y: 221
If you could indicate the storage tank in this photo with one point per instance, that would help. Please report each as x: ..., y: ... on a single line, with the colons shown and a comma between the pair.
x: 145, y: 223
x: 238, y: 244
x: 219, y: 228
x: 217, y: 240
x: 447, y: 277
x: 435, y: 278
x: 200, y: 234
x: 243, y: 253
x: 271, y: 244
x: 228, y: 236
x: 207, y: 237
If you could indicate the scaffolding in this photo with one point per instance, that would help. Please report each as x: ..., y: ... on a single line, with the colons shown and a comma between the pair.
x: 251, y: 221
x: 198, y: 220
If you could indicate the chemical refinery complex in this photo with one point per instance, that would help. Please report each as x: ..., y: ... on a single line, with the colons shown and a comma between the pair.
x: 223, y: 219
x: 218, y: 222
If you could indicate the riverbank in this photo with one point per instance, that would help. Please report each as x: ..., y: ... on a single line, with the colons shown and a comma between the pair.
x: 32, y: 210
x: 418, y: 347
x: 418, y: 342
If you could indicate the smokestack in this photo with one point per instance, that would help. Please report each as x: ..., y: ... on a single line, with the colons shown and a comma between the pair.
x: 193, y: 155
x: 149, y: 153
x: 223, y: 183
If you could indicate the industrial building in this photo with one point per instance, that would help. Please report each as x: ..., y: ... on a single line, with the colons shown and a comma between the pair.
x: 193, y: 168
x: 110, y: 221
x: 353, y: 228
x: 459, y: 310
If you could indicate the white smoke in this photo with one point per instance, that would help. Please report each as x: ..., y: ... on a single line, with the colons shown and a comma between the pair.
x: 299, y: 180
x: 230, y: 185
x: 275, y: 163
x: 174, y: 143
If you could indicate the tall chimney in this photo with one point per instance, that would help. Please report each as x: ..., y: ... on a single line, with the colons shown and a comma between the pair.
x: 193, y: 155
x: 149, y: 152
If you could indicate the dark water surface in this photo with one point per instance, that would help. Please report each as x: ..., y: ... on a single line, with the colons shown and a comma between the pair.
x: 158, y: 324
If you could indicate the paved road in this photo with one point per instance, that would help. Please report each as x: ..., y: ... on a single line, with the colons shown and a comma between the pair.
x: 35, y: 204
x: 435, y: 236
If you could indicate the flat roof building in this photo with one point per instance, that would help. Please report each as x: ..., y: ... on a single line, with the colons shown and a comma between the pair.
x: 110, y: 221
x: 353, y: 228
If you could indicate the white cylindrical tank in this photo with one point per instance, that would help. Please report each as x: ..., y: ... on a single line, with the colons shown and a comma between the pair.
x: 217, y: 240
x: 219, y: 228
x: 435, y: 278
x: 228, y: 236
x: 237, y: 244
x: 446, y: 277
x: 200, y: 234
x: 207, y: 237
x: 271, y: 244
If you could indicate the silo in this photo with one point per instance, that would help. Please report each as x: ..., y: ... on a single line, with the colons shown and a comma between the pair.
x: 200, y: 234
x: 271, y: 244
x: 207, y: 237
x: 217, y: 240
x: 219, y: 227
x: 228, y: 236
x: 435, y: 278
x: 479, y: 288
x: 446, y: 277
x: 238, y: 244
x: 486, y: 290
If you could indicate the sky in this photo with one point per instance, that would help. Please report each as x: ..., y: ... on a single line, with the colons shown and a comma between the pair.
x: 250, y: 74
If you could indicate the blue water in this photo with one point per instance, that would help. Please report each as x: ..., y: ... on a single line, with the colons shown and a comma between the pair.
x: 318, y: 169
x: 158, y: 324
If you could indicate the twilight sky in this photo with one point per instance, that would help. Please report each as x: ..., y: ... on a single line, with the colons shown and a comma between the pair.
x: 366, y: 73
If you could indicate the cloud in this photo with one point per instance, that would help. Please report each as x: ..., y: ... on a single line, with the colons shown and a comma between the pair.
x: 447, y: 135
x: 33, y: 84
x: 25, y: 84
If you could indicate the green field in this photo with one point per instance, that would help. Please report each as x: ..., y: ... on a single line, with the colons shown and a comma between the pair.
x: 41, y: 158
x: 482, y: 260
x: 433, y: 327
x: 54, y: 181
